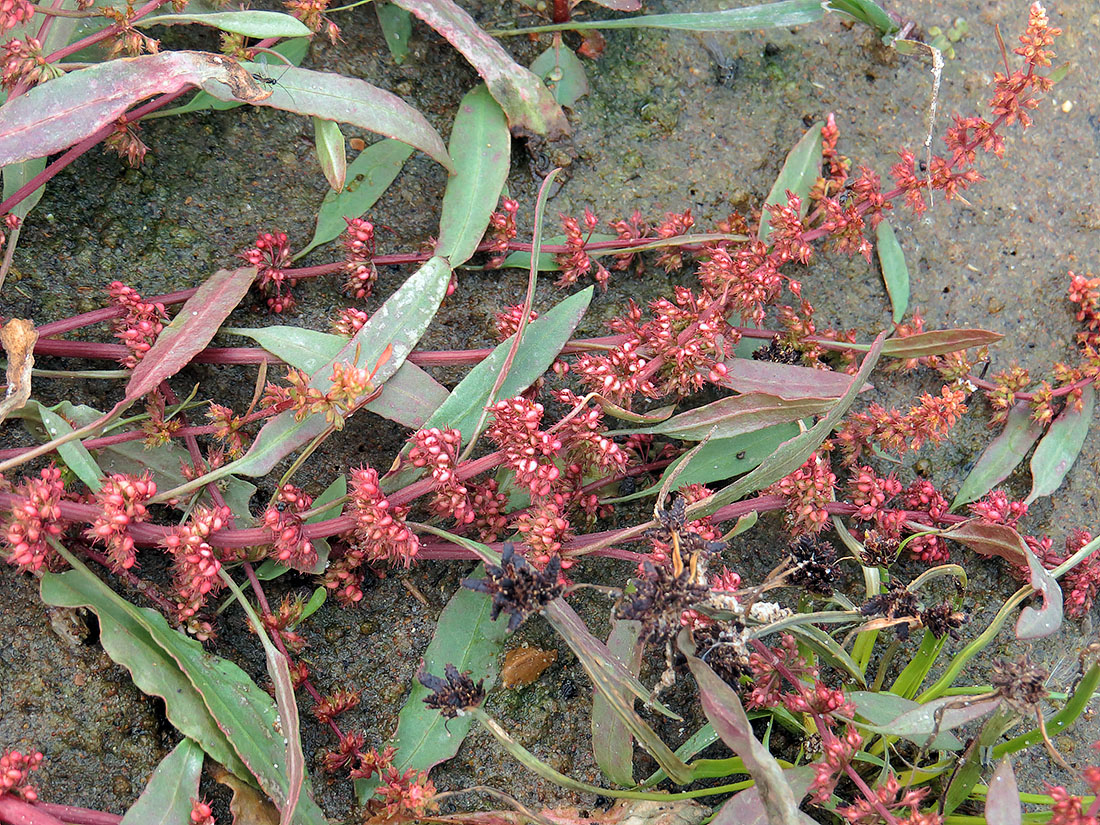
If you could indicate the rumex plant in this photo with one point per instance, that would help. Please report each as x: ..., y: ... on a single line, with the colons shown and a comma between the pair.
x: 519, y: 466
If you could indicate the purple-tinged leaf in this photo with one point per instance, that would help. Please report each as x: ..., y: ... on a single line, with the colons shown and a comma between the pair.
x: 332, y: 154
x: 738, y: 414
x: 747, y: 807
x: 801, y: 168
x: 480, y: 147
x: 991, y: 539
x: 782, y: 14
x: 1061, y: 446
x: 938, y: 716
x: 787, y: 381
x: 279, y: 671
x: 1002, y: 801
x: 563, y: 73
x: 197, y: 322
x: 612, y: 743
x: 895, y: 274
x: 53, y: 116
x: 465, y: 637
x: 530, y: 107
x: 939, y: 342
x: 347, y: 100
x: 791, y: 455
x: 1037, y: 623
x: 1001, y: 457
x: 167, y: 797
x: 723, y: 710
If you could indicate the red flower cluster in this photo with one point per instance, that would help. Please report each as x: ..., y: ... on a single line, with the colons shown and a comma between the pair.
x: 359, y: 243
x: 408, y: 795
x: 502, y: 229
x: 528, y: 451
x: 439, y: 449
x: 34, y: 518
x: 14, y: 13
x: 331, y: 706
x: 930, y: 420
x: 893, y: 796
x: 544, y: 528
x: 139, y: 327
x: 489, y: 506
x: 350, y: 321
x: 201, y: 812
x: 271, y: 256
x: 575, y: 263
x: 808, y: 489
x: 290, y: 545
x: 121, y: 500
x: 24, y: 62
x: 507, y: 321
x: 380, y: 534
x: 15, y: 772
x: 196, y: 565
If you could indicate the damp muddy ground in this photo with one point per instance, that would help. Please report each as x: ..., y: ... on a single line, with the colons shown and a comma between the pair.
x: 669, y: 124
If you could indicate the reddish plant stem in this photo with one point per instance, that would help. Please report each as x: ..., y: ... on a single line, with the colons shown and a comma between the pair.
x: 15, y: 811
x: 78, y: 816
x: 147, y: 589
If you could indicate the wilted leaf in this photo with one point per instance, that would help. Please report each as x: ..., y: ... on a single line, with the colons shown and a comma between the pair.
x: 1061, y: 446
x: 612, y: 744
x: 248, y: 806
x: 1001, y: 457
x: 801, y: 168
x: 197, y: 322
x: 530, y: 107
x: 17, y: 337
x: 747, y: 807
x: 480, y: 147
x: 53, y: 116
x: 782, y: 14
x: 167, y: 797
x: 1002, y: 801
x: 895, y: 274
x: 991, y: 539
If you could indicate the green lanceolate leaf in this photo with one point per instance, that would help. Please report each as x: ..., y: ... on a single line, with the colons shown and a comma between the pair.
x: 411, y: 394
x: 466, y: 638
x: 801, y: 168
x: 612, y: 744
x: 1061, y: 446
x: 894, y: 271
x: 367, y: 177
x: 480, y: 147
x: 396, y: 26
x: 74, y: 454
x: 1001, y: 456
x: 167, y: 797
x: 737, y: 415
x: 331, y: 151
x: 398, y: 325
x: 243, y: 713
x: 563, y: 73
x: 197, y: 322
x: 939, y: 342
x: 542, y: 341
x: 880, y: 708
x: 252, y: 23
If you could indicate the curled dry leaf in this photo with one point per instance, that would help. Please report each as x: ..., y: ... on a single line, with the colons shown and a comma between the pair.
x: 247, y: 804
x: 18, y: 337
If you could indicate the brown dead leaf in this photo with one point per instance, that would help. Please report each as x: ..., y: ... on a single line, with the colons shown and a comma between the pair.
x: 17, y: 337
x: 248, y: 805
x: 623, y: 812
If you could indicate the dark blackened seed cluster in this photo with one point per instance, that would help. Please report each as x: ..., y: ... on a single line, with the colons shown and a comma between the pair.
x: 896, y: 603
x: 659, y: 599
x: 454, y: 695
x: 516, y: 587
x: 879, y: 550
x: 673, y: 523
x: 720, y: 647
x: 943, y: 620
x: 1021, y: 684
x: 813, y: 565
x: 777, y: 353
